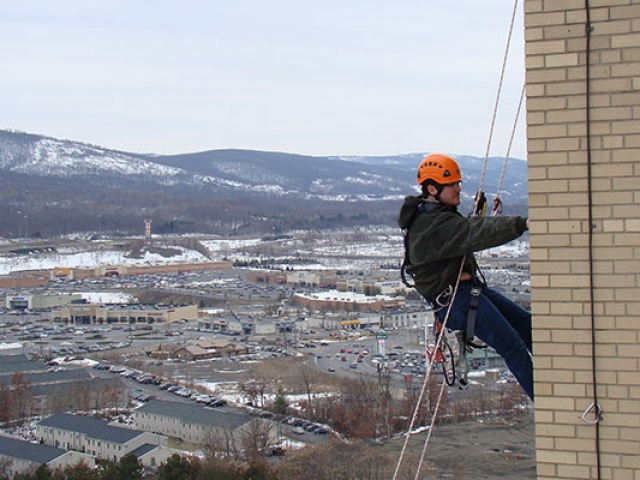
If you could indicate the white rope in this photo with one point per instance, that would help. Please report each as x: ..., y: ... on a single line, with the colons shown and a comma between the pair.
x: 431, y: 428
x: 495, y: 106
x: 506, y: 157
x: 426, y: 381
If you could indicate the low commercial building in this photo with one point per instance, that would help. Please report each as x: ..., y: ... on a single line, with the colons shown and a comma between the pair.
x: 20, y: 302
x: 347, y: 301
x: 250, y: 325
x: 90, y: 314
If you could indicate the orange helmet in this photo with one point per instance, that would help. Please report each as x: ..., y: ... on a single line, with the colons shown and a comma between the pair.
x: 439, y: 168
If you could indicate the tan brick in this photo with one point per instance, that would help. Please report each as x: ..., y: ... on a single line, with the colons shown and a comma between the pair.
x: 546, y: 103
x: 534, y: 146
x: 625, y: 41
x: 532, y: 64
x: 553, y: 375
x: 608, y: 85
x: 613, y: 113
x: 611, y: 56
x: 573, y: 226
x: 631, y: 141
x: 579, y: 88
x: 616, y: 29
x: 547, y: 471
x: 573, y: 471
x: 560, y: 30
x: 557, y: 457
x: 618, y: 364
x: 570, y: 253
x: 626, y: 210
x: 566, y: 116
x: 562, y: 431
x: 613, y: 142
x: 632, y: 225
x: 545, y: 47
x: 547, y: 131
x: 615, y: 198
x: 625, y: 98
x: 535, y: 118
x: 550, y: 158
x: 542, y: 19
x: 537, y: 172
x: 625, y: 12
x: 613, y: 225
x: 612, y: 170
x: 580, y: 445
x: 571, y: 363
x: 568, y: 390
x: 622, y: 127
x: 569, y: 281
x: 543, y: 389
x: 631, y: 462
x: 627, y: 239
x: 626, y: 294
x: 563, y: 144
x: 577, y: 16
x: 561, y: 60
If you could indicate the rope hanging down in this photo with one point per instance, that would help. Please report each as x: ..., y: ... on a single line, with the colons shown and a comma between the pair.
x: 424, y: 388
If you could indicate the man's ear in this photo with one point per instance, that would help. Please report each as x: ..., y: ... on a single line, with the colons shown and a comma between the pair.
x: 433, y: 191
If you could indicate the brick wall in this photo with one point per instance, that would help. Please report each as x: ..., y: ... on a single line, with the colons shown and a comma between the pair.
x: 561, y: 247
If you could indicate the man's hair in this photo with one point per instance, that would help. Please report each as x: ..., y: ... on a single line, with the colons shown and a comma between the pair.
x: 425, y: 190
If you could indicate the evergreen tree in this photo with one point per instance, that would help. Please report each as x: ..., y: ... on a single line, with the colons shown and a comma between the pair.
x: 129, y: 468
x: 179, y: 468
x: 280, y: 403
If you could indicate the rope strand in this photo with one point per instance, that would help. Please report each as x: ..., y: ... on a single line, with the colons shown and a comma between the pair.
x: 497, y: 203
x: 497, y: 102
x: 427, y: 377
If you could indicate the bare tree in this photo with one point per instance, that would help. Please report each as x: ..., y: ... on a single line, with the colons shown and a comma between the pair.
x: 307, y: 379
x: 22, y: 397
x: 256, y: 438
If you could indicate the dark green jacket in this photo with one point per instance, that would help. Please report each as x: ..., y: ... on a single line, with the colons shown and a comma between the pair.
x: 440, y: 237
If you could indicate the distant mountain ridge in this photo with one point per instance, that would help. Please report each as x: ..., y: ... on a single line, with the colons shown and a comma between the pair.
x: 218, y: 191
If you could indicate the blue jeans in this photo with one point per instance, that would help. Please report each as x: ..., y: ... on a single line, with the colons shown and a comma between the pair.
x: 500, y: 323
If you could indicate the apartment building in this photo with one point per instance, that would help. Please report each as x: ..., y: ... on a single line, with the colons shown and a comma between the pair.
x: 201, y: 425
x: 98, y: 438
x: 20, y: 456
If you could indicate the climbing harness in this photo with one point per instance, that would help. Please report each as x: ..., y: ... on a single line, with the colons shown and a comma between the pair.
x: 442, y: 354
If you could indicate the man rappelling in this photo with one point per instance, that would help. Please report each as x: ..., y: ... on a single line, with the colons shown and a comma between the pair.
x: 440, y: 244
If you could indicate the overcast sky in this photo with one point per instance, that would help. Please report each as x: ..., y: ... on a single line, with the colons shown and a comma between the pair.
x: 316, y: 77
